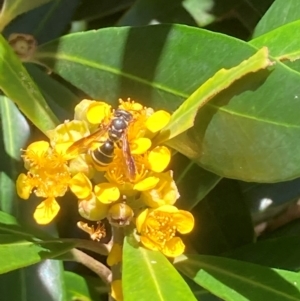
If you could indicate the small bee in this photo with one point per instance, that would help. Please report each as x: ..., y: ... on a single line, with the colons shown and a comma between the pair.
x: 116, y: 131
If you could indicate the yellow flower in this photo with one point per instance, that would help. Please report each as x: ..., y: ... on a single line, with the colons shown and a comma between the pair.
x: 66, y: 134
x: 115, y: 255
x: 92, y: 112
x: 116, y: 290
x: 91, y: 209
x: 165, y: 192
x: 48, y: 177
x: 107, y: 193
x: 159, y: 158
x: 145, y: 121
x: 157, y: 228
x: 81, y: 186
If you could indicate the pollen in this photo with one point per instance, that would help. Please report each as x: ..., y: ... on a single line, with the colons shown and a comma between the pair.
x: 164, y: 229
x: 47, y: 173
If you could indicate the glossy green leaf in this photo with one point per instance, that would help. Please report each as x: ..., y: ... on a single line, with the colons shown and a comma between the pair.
x: 13, y: 123
x: 193, y: 182
x: 10, y: 225
x: 235, y: 134
x: 84, y: 288
x: 60, y: 99
x: 89, y: 10
x: 183, y: 118
x: 8, y: 219
x: 144, y: 12
x: 250, y: 12
x: 141, y: 70
x: 222, y: 221
x: 46, y: 22
x: 280, y: 252
x: 50, y: 275
x: 239, y: 281
x: 41, y: 281
x: 280, y: 13
x: 149, y: 273
x: 282, y: 41
x: 19, y: 87
x: 17, y: 252
x: 13, y: 8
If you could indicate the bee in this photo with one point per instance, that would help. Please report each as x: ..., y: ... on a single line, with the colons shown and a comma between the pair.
x: 116, y: 131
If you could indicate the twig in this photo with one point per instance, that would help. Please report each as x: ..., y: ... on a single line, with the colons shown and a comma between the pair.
x: 97, y: 267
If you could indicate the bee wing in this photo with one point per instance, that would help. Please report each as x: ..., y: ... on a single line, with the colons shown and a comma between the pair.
x: 84, y: 144
x: 128, y: 157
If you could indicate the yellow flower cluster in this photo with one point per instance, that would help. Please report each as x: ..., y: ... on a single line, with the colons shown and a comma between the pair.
x: 107, y: 159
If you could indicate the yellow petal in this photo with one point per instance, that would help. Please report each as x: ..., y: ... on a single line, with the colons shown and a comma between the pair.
x: 81, y: 108
x: 81, y: 186
x: 38, y: 147
x: 62, y: 149
x: 184, y: 221
x: 164, y: 193
x: 157, y: 121
x: 148, y: 243
x: 23, y: 187
x: 107, y: 193
x: 92, y: 209
x: 81, y: 164
x: 68, y: 132
x: 146, y: 184
x: 97, y: 112
x: 140, y: 146
x: 46, y: 211
x: 174, y: 247
x: 167, y: 209
x: 141, y: 219
x: 115, y: 255
x: 159, y: 158
x: 116, y: 290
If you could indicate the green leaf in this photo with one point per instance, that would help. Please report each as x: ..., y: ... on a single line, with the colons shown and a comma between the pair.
x: 144, y: 12
x: 13, y: 8
x: 33, y: 283
x: 282, y: 41
x: 10, y: 225
x: 19, y: 87
x: 234, y: 280
x: 281, y: 252
x: 7, y: 219
x: 89, y: 10
x: 60, y: 99
x: 280, y: 13
x: 142, y: 69
x: 149, y: 273
x: 46, y: 22
x: 235, y: 135
x: 13, y: 123
x: 223, y: 221
x: 193, y: 182
x: 250, y: 12
x: 84, y: 288
x: 183, y: 118
x: 17, y: 252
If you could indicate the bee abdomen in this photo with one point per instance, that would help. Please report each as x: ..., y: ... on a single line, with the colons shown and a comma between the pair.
x: 104, y: 154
